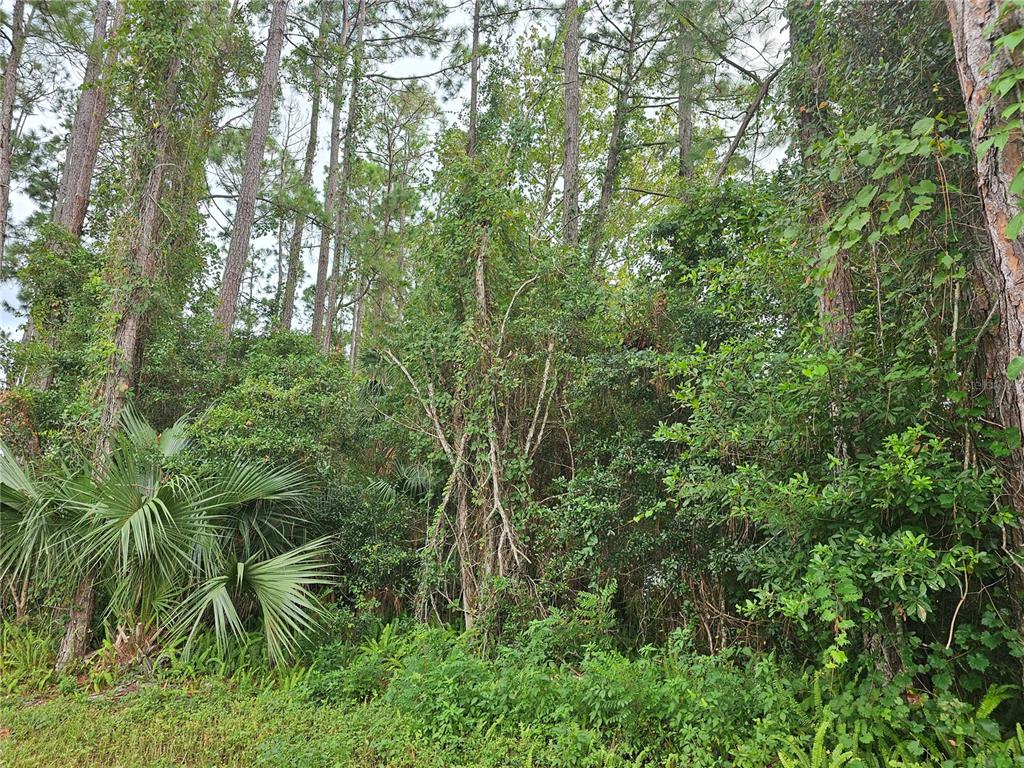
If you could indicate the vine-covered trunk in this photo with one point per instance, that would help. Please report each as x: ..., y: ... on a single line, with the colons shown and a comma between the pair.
x: 245, y: 209
x: 132, y: 275
x: 76, y: 631
x: 73, y: 191
x: 808, y: 94
x: 976, y: 26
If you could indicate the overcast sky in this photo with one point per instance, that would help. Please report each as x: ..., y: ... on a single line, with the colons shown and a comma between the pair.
x: 22, y: 206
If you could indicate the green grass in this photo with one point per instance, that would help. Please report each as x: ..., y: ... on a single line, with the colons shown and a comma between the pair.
x: 212, y: 725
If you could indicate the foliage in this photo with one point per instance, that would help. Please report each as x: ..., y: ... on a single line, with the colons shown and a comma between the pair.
x: 171, y: 547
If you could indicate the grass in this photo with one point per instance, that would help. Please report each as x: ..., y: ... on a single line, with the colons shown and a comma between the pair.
x: 210, y: 724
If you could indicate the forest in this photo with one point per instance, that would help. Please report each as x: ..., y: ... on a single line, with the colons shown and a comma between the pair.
x: 559, y: 383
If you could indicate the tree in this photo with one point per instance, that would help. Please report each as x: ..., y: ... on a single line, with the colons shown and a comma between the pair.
x: 294, y: 266
x: 571, y: 151
x: 10, y: 92
x: 161, y: 175
x: 348, y: 150
x: 212, y: 540
x: 83, y: 144
x: 684, y: 98
x: 623, y: 88
x: 245, y: 209
x: 331, y: 196
x: 836, y: 302
x: 987, y: 75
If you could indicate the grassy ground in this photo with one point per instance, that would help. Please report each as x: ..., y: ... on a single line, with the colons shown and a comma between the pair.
x: 212, y: 725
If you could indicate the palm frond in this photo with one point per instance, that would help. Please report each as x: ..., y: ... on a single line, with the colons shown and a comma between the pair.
x: 281, y: 587
x: 242, y: 482
x: 212, y: 596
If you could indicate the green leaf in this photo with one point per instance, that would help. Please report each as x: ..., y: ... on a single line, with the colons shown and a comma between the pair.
x: 1013, y: 228
x: 866, y: 194
x: 922, y: 126
x: 1017, y: 185
x: 1015, y: 368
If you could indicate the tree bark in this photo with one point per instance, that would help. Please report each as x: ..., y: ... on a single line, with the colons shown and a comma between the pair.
x: 571, y: 104
x: 10, y: 92
x: 358, y: 308
x: 141, y: 267
x: 684, y: 99
x: 331, y: 197
x: 836, y: 305
x: 348, y: 151
x: 245, y: 210
x: 623, y: 99
x: 330, y: 211
x: 76, y: 633
x: 975, y: 27
x: 298, y: 225
x: 72, y: 200
x: 474, y: 82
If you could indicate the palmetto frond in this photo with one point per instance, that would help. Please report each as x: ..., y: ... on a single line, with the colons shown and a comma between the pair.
x: 279, y: 585
x: 140, y: 435
x: 155, y: 535
x: 32, y: 523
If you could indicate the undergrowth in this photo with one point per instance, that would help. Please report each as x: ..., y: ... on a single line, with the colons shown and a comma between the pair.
x: 420, y: 696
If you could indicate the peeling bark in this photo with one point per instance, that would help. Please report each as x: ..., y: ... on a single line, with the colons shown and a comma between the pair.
x: 975, y: 27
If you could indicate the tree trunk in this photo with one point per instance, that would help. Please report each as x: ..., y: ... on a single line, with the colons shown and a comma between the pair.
x: 245, y: 210
x: 571, y: 101
x: 975, y: 30
x: 76, y: 632
x: 836, y: 305
x: 72, y: 200
x: 474, y: 82
x: 10, y: 92
x: 684, y: 99
x: 330, y: 211
x: 357, y: 330
x: 623, y: 99
x: 141, y: 263
x: 341, y: 222
x: 298, y: 225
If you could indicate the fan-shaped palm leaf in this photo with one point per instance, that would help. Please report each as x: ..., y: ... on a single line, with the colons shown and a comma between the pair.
x: 280, y: 586
x: 31, y: 523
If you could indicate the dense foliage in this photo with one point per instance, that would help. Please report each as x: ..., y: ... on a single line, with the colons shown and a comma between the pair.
x: 634, y: 383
